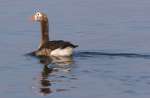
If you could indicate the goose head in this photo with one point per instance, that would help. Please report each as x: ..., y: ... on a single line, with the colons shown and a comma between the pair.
x: 39, y: 17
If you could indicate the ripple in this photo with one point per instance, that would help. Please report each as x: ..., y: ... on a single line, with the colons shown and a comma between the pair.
x: 109, y: 54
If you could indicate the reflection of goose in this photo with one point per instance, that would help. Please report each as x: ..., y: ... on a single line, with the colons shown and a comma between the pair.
x: 45, y: 83
x: 60, y: 61
x: 51, y: 48
x: 63, y: 63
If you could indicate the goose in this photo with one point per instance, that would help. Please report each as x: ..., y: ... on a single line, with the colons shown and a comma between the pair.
x: 51, y: 48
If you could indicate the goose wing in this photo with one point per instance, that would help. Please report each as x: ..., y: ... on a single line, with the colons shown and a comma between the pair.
x: 59, y: 44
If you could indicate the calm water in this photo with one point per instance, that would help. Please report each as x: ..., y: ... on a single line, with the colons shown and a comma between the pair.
x: 112, y: 61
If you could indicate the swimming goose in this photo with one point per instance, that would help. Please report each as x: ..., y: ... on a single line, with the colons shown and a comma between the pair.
x: 51, y: 48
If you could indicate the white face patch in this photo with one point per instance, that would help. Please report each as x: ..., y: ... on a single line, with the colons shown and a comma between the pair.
x: 38, y: 16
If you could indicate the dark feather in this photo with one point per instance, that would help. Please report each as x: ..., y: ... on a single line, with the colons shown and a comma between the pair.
x: 58, y: 44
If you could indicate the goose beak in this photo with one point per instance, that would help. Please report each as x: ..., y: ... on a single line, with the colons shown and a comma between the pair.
x: 32, y: 18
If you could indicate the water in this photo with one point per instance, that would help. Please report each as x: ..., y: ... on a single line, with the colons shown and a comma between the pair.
x: 112, y: 61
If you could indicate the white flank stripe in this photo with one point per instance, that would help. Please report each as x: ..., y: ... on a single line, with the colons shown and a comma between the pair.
x: 62, y: 52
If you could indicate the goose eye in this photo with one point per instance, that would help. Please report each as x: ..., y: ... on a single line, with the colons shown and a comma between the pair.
x: 38, y: 14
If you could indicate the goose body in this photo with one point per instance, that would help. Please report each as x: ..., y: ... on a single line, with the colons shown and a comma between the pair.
x: 56, y: 48
x: 47, y: 47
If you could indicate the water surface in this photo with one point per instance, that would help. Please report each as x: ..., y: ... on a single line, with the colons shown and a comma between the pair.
x: 112, y: 61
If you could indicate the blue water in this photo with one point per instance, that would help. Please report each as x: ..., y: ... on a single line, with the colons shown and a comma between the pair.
x: 112, y: 60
